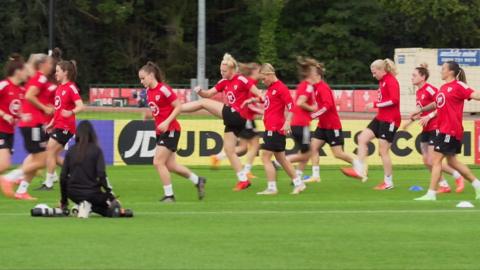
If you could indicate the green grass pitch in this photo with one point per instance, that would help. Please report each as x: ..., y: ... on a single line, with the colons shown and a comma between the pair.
x: 339, y: 223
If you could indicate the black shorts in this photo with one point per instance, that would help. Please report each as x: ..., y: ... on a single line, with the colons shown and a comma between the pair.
x: 301, y: 136
x: 333, y: 137
x: 232, y: 120
x: 447, y: 145
x: 35, y: 139
x: 249, y: 131
x: 383, y: 130
x: 169, y: 140
x: 6, y: 141
x: 61, y: 136
x: 428, y: 137
x: 274, y: 141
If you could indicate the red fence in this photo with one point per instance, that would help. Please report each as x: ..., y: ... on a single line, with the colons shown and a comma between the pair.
x: 346, y: 100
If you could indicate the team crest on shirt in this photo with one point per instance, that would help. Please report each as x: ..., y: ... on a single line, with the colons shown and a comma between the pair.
x: 58, y: 102
x: 231, y: 97
x: 274, y: 92
x: 235, y: 87
x: 440, y: 100
x: 63, y: 93
x: 157, y: 97
x: 423, y: 96
x: 153, y: 108
x: 379, y: 97
x: 14, y: 106
x: 449, y: 89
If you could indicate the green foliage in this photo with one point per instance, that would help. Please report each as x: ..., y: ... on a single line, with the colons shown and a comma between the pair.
x: 111, y: 39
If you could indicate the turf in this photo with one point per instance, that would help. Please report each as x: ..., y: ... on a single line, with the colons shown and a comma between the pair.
x: 336, y: 224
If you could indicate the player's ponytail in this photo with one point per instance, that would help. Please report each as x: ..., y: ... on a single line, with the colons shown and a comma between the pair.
x: 70, y: 66
x: 386, y: 65
x: 84, y: 136
x: 305, y: 66
x: 423, y: 70
x: 458, y: 72
x: 152, y: 68
x: 14, y: 63
x: 56, y: 56
x: 230, y: 62
x: 267, y: 68
x: 246, y: 69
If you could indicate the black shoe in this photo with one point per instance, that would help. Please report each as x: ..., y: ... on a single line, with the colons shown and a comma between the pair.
x: 168, y: 199
x: 114, y: 208
x: 44, y: 187
x: 201, y: 187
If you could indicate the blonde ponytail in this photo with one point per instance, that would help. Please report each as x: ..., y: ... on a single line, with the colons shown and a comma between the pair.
x: 386, y: 65
x: 229, y: 61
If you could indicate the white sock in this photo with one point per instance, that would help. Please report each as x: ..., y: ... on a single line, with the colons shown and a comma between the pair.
x: 51, y: 177
x: 388, y: 180
x: 358, y: 167
x: 431, y: 193
x: 247, y: 168
x: 299, y: 173
x: 23, y: 187
x: 272, y: 185
x: 476, y: 184
x: 298, y: 181
x: 242, y: 176
x: 456, y: 174
x: 194, y: 178
x: 443, y: 183
x: 316, y: 171
x: 168, y: 190
x: 14, y: 175
x: 221, y: 156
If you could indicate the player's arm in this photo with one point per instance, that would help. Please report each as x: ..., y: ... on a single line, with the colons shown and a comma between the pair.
x: 392, y: 98
x: 7, y: 117
x: 475, y: 95
x: 414, y: 115
x: 102, y: 175
x: 205, y: 93
x: 254, y: 90
x: 302, y: 103
x: 177, y: 108
x: 31, y: 96
x: 325, y: 104
x: 287, y: 99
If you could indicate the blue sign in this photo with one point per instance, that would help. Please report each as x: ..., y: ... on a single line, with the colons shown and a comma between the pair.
x: 464, y: 57
x: 401, y: 59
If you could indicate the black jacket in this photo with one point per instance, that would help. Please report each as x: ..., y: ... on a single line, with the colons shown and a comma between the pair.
x: 85, y: 177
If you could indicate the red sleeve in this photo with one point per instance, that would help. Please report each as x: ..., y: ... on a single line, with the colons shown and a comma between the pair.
x: 464, y: 90
x: 301, y: 90
x: 245, y: 82
x: 74, y: 94
x: 394, y: 91
x: 38, y: 81
x: 168, y: 93
x: 325, y: 98
x: 287, y: 98
x: 220, y: 86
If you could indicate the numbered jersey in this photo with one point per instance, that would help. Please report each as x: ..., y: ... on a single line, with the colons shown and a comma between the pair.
x: 237, y: 91
x: 160, y: 101
x: 65, y: 97
x: 11, y: 97
x: 277, y: 100
x: 31, y: 115
x: 450, y: 100
x: 426, y: 95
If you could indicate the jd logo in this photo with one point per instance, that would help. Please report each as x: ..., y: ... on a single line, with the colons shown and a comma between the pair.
x: 137, y: 142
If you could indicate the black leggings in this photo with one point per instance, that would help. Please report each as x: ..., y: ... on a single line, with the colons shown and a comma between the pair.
x: 97, y: 199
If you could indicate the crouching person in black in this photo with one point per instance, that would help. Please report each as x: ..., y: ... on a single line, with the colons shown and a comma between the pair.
x: 84, y: 180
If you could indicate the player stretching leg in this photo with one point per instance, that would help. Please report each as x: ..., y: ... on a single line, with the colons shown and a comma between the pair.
x: 277, y: 100
x: 449, y: 102
x: 165, y: 107
x: 425, y: 95
x: 383, y: 127
x: 236, y: 88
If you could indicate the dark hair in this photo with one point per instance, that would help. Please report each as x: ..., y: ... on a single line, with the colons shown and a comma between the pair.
x: 70, y: 66
x: 14, y: 63
x: 84, y: 136
x: 423, y: 70
x: 56, y: 57
x: 457, y: 71
x: 150, y: 67
x: 305, y: 66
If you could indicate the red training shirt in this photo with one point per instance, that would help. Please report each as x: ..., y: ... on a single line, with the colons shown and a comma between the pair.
x: 277, y: 99
x: 388, y: 102
x: 160, y: 101
x: 31, y: 115
x: 302, y: 117
x: 327, y: 110
x: 426, y: 95
x: 65, y: 97
x: 11, y: 97
x: 236, y: 90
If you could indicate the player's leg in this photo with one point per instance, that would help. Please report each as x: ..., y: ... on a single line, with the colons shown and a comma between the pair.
x: 315, y: 146
x: 252, y: 152
x: 384, y: 152
x: 338, y: 153
x: 465, y: 172
x: 437, y: 159
x: 270, y: 173
x: 229, y: 143
x: 365, y: 137
x: 162, y: 154
x: 5, y: 159
x: 427, y: 155
x: 54, y: 148
x: 212, y: 106
x: 183, y: 171
x: 299, y: 186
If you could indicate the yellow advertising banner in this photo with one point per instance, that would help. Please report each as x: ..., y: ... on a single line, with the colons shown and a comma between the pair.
x: 135, y: 142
